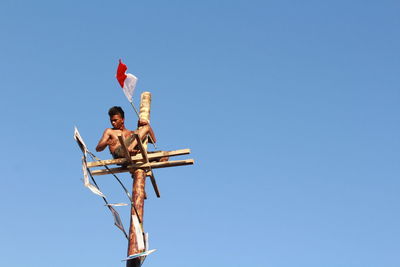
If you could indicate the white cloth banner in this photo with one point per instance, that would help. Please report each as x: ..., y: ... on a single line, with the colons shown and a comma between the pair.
x: 138, y: 232
x: 86, y: 182
x: 80, y: 142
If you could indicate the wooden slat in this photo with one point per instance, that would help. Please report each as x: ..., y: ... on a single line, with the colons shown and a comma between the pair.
x: 141, y: 147
x: 123, y: 145
x: 146, y: 159
x: 139, y: 157
x: 154, y: 183
x: 153, y: 165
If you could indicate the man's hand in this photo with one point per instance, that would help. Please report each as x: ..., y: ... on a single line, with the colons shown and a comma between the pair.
x: 142, y: 122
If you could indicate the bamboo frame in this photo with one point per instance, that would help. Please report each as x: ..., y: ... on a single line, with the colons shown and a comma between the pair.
x: 153, y: 165
x: 139, y: 157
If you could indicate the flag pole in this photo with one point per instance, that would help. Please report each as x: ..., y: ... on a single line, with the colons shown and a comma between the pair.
x: 137, y: 113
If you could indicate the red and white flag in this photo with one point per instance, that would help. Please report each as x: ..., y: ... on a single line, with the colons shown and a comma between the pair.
x: 126, y: 80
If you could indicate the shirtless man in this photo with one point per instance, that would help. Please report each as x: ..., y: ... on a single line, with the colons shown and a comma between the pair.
x: 110, y: 135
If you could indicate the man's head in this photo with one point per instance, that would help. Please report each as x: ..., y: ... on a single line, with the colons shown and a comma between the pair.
x: 117, y: 117
x: 115, y: 110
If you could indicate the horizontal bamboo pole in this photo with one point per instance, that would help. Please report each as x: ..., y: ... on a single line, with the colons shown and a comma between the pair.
x: 139, y: 157
x: 153, y: 165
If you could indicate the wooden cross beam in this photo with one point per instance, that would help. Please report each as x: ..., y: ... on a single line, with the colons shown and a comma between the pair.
x: 143, y: 152
x: 137, y: 158
x: 153, y: 165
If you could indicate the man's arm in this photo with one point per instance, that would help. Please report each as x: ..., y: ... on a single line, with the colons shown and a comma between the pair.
x: 103, y: 141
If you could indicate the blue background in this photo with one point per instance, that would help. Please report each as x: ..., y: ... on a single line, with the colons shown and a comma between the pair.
x: 291, y: 109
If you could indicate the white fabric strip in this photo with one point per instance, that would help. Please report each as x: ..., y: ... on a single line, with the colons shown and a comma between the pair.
x: 138, y: 232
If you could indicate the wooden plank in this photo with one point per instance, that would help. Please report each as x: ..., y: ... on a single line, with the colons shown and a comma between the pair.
x: 165, y: 164
x: 139, y: 157
x: 141, y: 147
x: 146, y: 159
x: 153, y: 165
x: 124, y: 148
x: 153, y: 182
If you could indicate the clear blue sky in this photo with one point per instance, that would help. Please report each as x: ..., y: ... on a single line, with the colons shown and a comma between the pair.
x: 291, y: 109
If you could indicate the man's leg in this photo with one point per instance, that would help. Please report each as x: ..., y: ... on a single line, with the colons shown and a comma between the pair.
x: 142, y: 132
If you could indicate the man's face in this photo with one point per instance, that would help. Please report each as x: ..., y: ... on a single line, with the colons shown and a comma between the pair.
x: 117, y: 121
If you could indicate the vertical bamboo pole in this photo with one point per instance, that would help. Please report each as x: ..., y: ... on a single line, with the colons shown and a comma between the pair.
x: 139, y: 180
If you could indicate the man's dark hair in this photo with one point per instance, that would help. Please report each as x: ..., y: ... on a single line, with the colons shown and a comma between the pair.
x: 115, y: 110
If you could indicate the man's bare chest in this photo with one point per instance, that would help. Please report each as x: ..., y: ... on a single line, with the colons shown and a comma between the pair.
x: 115, y: 133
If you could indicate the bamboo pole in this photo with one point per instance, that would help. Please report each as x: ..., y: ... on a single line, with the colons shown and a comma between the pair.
x: 153, y: 165
x: 139, y: 180
x: 151, y: 156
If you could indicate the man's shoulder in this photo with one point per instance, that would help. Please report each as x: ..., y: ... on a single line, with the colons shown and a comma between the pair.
x: 115, y: 131
x: 110, y: 131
